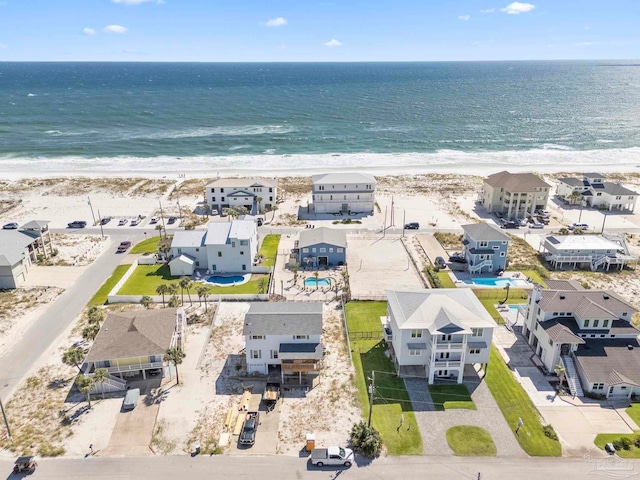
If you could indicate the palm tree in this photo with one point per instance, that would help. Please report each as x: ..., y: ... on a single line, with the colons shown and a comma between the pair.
x: 172, y: 289
x: 188, y: 284
x: 240, y: 210
x: 174, y: 301
x: 162, y: 289
x: 273, y: 209
x: 575, y: 197
x: 175, y: 356
x: 295, y: 276
x: 146, y: 301
x: 184, y: 285
x: 259, y: 200
x: 100, y: 376
x: 159, y: 229
x: 164, y: 249
x: 73, y: 356
x: 229, y: 212
x: 90, y: 332
x: 561, y: 372
x: 85, y: 385
x: 263, y: 284
x: 316, y: 274
x: 203, y: 292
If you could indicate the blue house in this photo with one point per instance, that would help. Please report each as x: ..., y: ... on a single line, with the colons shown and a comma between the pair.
x: 322, y: 247
x: 485, y: 247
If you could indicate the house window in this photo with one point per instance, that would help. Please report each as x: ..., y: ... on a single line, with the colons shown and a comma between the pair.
x: 213, y: 190
x: 339, y: 250
x: 416, y: 333
x: 214, y: 267
x: 605, y: 323
x: 323, y: 250
x: 244, y: 243
x: 197, y: 263
x: 179, y: 251
x: 257, y: 337
x: 233, y: 244
x: 446, y: 338
x: 256, y: 354
x: 555, y: 314
x: 313, y: 249
x: 595, y: 323
x: 477, y: 332
x: 305, y: 250
x: 244, y: 266
x: 320, y: 187
x: 535, y: 327
x: 502, y: 254
x: 551, y: 342
x: 586, y: 323
x: 270, y: 189
x: 219, y: 253
x: 213, y: 199
x: 624, y: 314
x: 222, y: 190
x: 496, y: 247
x: 241, y: 252
x: 474, y: 351
x: 301, y: 337
x: 330, y: 249
x: 197, y: 249
x: 222, y: 199
x: 484, y: 243
x: 274, y: 354
x: 414, y: 353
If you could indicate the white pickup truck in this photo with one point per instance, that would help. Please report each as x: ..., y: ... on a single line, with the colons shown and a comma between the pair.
x: 332, y: 456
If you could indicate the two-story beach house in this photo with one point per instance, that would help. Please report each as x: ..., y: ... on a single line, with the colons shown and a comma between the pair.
x: 485, y: 247
x: 343, y: 193
x: 590, y: 333
x: 516, y: 195
x: 597, y: 252
x: 435, y: 333
x: 322, y: 246
x: 225, y: 247
x: 257, y: 195
x: 596, y: 192
x: 284, y: 338
x: 19, y: 249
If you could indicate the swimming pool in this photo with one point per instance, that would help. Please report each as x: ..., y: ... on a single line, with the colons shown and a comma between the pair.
x: 322, y: 282
x: 226, y: 280
x: 492, y: 282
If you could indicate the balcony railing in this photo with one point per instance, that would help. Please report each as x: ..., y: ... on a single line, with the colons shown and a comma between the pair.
x: 449, y: 345
x: 136, y: 367
x: 300, y: 367
x: 447, y: 363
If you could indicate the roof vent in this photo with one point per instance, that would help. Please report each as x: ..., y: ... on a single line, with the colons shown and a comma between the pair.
x: 562, y: 297
x: 630, y: 347
x: 606, y: 297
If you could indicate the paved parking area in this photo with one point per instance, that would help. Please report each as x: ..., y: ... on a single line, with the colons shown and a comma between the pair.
x: 267, y: 433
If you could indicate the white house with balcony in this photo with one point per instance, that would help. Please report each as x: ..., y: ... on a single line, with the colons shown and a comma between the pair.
x: 343, y: 193
x: 516, y: 195
x: 242, y: 192
x: 597, y: 252
x: 435, y: 333
x: 596, y: 192
x: 225, y: 247
x: 284, y: 338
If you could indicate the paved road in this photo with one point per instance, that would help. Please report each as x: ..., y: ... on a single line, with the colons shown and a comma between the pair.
x: 292, y: 468
x: 17, y: 362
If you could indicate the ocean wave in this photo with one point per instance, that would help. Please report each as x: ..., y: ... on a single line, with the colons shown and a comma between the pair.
x: 238, y: 131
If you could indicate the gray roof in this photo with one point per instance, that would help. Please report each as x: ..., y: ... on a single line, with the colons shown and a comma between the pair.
x: 12, y: 246
x: 485, y: 232
x: 283, y: 318
x: 610, y: 361
x: 574, y: 182
x: 243, y: 182
x: 37, y: 225
x: 617, y: 189
x: 298, y: 347
x: 587, y: 302
x: 593, y: 175
x: 563, y: 284
x: 560, y: 331
x: 442, y: 309
x: 348, y: 178
x: 134, y: 334
x: 188, y: 238
x: 314, y: 236
x: 516, y: 182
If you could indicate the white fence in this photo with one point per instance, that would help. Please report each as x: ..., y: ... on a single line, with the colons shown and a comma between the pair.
x: 248, y: 297
x: 116, y: 288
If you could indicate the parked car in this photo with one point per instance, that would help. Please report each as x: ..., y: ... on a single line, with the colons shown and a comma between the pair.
x: 214, y: 212
x: 105, y: 220
x: 77, y: 224
x: 509, y: 224
x: 10, y: 226
x: 249, y: 428
x: 135, y: 221
x: 259, y: 221
x: 581, y: 226
x: 499, y: 215
x: 412, y: 226
x: 457, y: 258
x: 542, y: 213
x: 439, y: 261
x: 122, y: 221
x: 544, y: 220
x: 536, y: 225
x: 123, y: 247
x: 522, y: 222
x: 172, y: 220
x: 154, y: 219
x: 131, y: 399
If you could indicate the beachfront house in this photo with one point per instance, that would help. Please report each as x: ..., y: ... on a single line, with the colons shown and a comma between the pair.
x: 592, y: 190
x: 19, y: 249
x: 284, y: 338
x: 343, y: 193
x: 435, y: 333
x: 318, y: 247
x: 485, y: 248
x: 225, y: 247
x: 514, y: 195
x: 597, y: 252
x: 590, y: 333
x: 132, y: 345
x: 257, y: 195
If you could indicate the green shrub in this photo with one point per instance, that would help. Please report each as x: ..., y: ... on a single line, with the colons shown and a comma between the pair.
x: 626, y: 443
x: 550, y: 432
x: 617, y: 444
x: 636, y: 441
x: 365, y: 440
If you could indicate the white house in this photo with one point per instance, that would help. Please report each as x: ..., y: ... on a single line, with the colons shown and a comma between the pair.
x: 590, y: 333
x: 596, y: 192
x: 587, y: 251
x: 18, y: 250
x: 225, y: 247
x: 435, y: 333
x: 284, y: 336
x: 516, y: 195
x: 233, y: 192
x: 343, y: 193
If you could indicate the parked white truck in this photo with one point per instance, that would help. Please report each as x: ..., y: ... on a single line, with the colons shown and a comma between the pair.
x: 332, y: 456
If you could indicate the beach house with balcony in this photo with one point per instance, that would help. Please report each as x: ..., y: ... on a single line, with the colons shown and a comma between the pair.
x: 242, y: 192
x: 485, y: 247
x: 284, y: 338
x: 318, y: 247
x: 590, y: 333
x: 597, y: 252
x: 343, y: 193
x: 228, y: 247
x: 435, y: 333
x: 595, y: 191
x: 515, y: 195
x: 130, y: 344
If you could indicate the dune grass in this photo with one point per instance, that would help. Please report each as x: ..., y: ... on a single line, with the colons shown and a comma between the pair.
x: 100, y: 297
x: 470, y: 441
x: 448, y: 397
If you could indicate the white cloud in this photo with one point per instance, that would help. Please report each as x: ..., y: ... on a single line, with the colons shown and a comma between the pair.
x: 88, y: 31
x: 276, y: 22
x: 131, y: 2
x: 488, y: 10
x: 517, y: 8
x: 115, y: 29
x: 464, y: 18
x: 333, y: 43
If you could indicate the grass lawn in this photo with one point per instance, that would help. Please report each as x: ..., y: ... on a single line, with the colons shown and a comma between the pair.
x: 603, y: 438
x: 491, y: 296
x: 146, y: 278
x: 634, y: 412
x: 269, y: 249
x: 150, y: 245
x: 470, y: 441
x: 514, y: 404
x: 445, y: 279
x: 100, y: 297
x: 391, y: 404
x: 446, y: 397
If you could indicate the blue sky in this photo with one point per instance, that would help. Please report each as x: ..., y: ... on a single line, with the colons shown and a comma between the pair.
x: 321, y: 30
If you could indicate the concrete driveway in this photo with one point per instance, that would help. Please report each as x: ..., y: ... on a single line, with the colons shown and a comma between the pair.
x: 267, y: 433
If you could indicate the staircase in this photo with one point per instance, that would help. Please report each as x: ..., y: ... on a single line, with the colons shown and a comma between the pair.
x: 596, y: 262
x: 572, y: 377
x: 111, y: 384
x: 478, y: 267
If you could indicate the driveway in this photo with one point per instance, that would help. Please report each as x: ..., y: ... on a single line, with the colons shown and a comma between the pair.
x: 267, y: 433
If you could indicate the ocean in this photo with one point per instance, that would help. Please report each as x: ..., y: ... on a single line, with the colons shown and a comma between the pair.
x: 280, y: 117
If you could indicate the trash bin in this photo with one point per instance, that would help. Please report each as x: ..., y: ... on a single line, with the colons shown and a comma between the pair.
x: 311, y: 441
x: 196, y: 447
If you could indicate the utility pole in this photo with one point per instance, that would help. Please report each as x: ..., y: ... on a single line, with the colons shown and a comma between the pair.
x: 392, y: 222
x: 4, y: 416
x: 372, y: 389
x: 91, y: 206
x: 404, y: 219
x: 101, y: 229
x: 179, y: 210
x: 603, y: 221
x: 162, y: 218
x: 384, y: 227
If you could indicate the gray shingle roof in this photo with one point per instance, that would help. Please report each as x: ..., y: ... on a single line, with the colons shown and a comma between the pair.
x: 283, y: 318
x: 134, y: 334
x: 485, y: 232
x: 610, y: 360
x: 516, y: 182
x: 243, y: 182
x: 560, y: 332
x: 12, y: 246
x: 36, y: 225
x: 568, y: 301
x: 563, y: 285
x: 343, y: 177
x: 314, y: 236
x: 574, y: 182
x: 615, y: 189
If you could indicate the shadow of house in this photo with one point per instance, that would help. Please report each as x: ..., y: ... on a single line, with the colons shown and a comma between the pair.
x: 229, y: 381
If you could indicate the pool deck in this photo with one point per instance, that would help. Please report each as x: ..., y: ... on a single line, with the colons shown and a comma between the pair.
x: 201, y: 277
x: 465, y: 279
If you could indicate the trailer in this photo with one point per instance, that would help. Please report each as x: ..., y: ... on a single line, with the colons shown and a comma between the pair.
x: 271, y: 395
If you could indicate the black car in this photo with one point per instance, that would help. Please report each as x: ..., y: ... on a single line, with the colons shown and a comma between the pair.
x: 172, y: 220
x: 105, y: 220
x: 259, y: 221
x: 510, y: 224
x: 10, y: 226
x: 457, y: 258
x: 412, y: 226
x: 77, y: 224
x: 440, y: 262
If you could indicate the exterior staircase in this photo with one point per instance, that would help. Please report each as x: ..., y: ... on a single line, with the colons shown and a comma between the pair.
x: 596, y: 262
x: 572, y: 377
x: 478, y: 267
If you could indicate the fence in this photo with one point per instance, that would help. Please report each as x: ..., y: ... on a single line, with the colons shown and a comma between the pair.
x: 116, y: 288
x: 366, y: 335
x: 369, y: 298
x: 247, y: 297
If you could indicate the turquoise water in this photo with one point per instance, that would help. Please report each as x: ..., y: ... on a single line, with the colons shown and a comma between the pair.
x: 224, y: 280
x: 492, y: 282
x: 207, y: 116
x: 322, y: 282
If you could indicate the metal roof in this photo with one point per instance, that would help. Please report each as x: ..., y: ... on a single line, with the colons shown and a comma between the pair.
x: 347, y: 178
x: 38, y: 225
x: 582, y: 242
x: 243, y: 182
x: 188, y: 238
